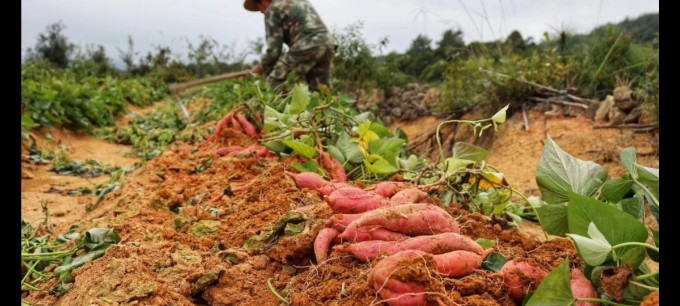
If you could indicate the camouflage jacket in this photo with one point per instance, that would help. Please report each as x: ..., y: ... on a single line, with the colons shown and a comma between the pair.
x: 295, y: 23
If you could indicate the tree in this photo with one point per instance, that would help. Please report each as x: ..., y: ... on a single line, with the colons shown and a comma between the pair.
x: 450, y: 42
x: 420, y: 55
x: 128, y: 57
x: 53, y: 46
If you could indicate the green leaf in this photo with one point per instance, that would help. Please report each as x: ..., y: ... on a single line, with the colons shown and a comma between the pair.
x: 309, y: 166
x: 593, y: 250
x: 464, y: 150
x: 486, y: 243
x: 555, y: 289
x: 654, y: 255
x: 615, y: 225
x: 553, y: 219
x: 388, y: 148
x: 79, y: 261
x: 409, y: 164
x: 380, y: 166
x: 363, y: 117
x: 275, y: 146
x: 614, y: 190
x: 350, y: 149
x: 628, y: 159
x: 300, y: 99
x: 381, y: 130
x: 453, y: 164
x: 300, y: 147
x: 650, y: 178
x: 99, y: 235
x: 632, y: 257
x: 494, y: 262
x: 336, y: 153
x: 560, y: 173
x: 635, y: 206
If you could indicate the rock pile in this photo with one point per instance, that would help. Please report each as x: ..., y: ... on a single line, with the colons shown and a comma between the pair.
x: 621, y: 108
x: 401, y: 103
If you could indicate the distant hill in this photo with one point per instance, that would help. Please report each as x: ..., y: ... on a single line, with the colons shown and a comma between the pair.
x: 643, y: 29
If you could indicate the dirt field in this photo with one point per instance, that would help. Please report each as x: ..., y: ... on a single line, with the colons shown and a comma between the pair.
x: 182, y: 247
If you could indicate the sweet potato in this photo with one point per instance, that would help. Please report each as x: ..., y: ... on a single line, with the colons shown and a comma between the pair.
x: 334, y: 168
x: 353, y: 200
x: 410, y: 219
x: 408, y: 196
x: 520, y: 277
x: 329, y: 187
x: 434, y: 244
x: 459, y: 263
x: 308, y: 180
x: 582, y: 288
x: 223, y: 124
x: 247, y: 127
x: 388, y: 189
x: 323, y: 242
x: 371, y: 232
x: 340, y: 221
x: 394, y: 291
x: 226, y: 150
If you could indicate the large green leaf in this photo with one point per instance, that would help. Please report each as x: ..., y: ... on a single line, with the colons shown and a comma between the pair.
x: 464, y: 150
x: 300, y: 147
x: 553, y: 219
x: 337, y: 153
x: 555, y: 289
x: 615, y: 225
x: 300, y: 99
x: 635, y: 206
x: 560, y: 173
x: 628, y: 158
x: 593, y: 250
x: 350, y: 149
x: 380, y: 166
x: 388, y: 148
x: 381, y: 130
x: 614, y: 190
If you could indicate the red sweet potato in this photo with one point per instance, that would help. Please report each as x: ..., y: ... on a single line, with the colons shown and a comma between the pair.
x: 408, y: 196
x: 434, y: 244
x: 226, y: 150
x: 393, y: 291
x: 247, y: 127
x: 329, y: 187
x: 264, y: 152
x: 371, y: 232
x: 340, y: 221
x: 388, y: 189
x: 582, y: 288
x: 352, y: 200
x: 308, y: 180
x: 410, y: 219
x: 520, y: 277
x: 223, y: 124
x: 323, y: 242
x: 334, y: 168
x: 459, y: 263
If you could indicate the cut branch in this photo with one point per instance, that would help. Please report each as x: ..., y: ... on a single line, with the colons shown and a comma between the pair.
x: 559, y: 102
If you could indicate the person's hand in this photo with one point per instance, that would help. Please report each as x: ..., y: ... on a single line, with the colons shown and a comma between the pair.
x: 256, y: 70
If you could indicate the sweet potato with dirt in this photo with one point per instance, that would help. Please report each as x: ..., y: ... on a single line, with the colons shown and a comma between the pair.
x: 323, y: 242
x: 581, y: 287
x: 371, y: 232
x: 226, y: 150
x: 393, y: 291
x: 246, y: 126
x: 352, y: 200
x: 329, y: 187
x: 410, y: 219
x: 334, y: 168
x: 460, y: 263
x: 224, y: 123
x: 433, y: 244
x: 307, y: 180
x: 520, y: 277
x: 408, y: 196
x: 340, y: 221
x: 388, y: 189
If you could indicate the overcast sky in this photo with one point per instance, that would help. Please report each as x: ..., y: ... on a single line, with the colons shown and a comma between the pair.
x: 172, y: 22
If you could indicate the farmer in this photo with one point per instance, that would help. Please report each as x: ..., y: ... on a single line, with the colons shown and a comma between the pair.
x: 310, y: 45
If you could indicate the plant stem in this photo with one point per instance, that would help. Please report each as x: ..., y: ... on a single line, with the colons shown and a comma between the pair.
x: 532, y: 208
x: 271, y: 288
x: 651, y: 195
x: 646, y: 276
x: 644, y: 286
x: 633, y: 243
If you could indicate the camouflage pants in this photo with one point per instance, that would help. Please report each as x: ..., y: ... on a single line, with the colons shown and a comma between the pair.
x: 312, y: 66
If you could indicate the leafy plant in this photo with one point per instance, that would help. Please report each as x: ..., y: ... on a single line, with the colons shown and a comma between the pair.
x: 602, y: 216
